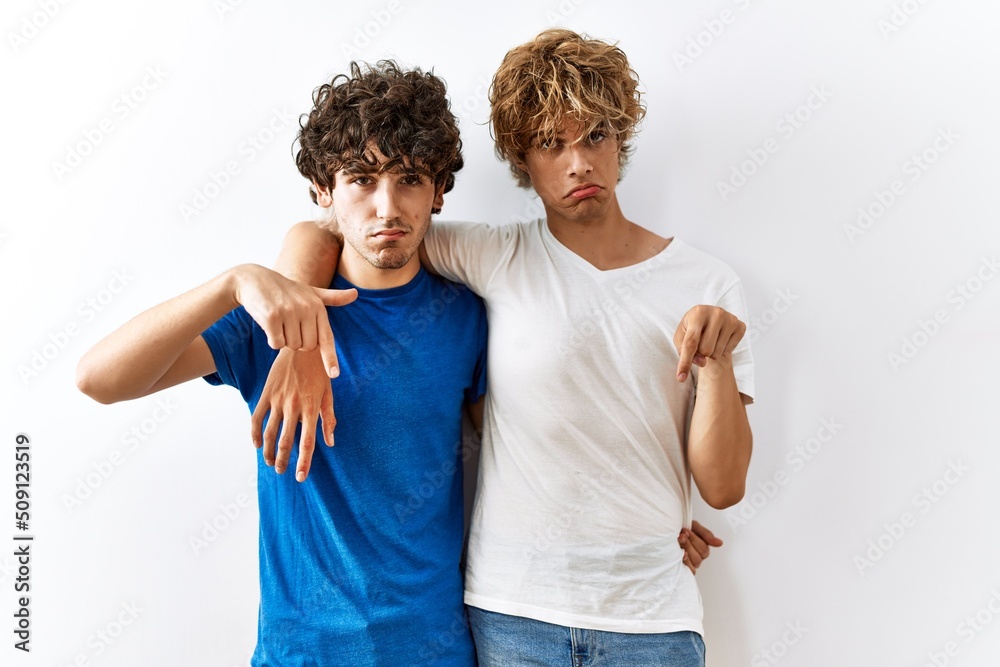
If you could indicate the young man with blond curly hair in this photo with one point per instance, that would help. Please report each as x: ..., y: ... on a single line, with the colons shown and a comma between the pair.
x: 618, y: 371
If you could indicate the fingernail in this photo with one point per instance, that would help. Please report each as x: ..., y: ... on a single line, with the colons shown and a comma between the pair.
x: 331, y: 438
x: 334, y: 372
x: 300, y: 476
x: 684, y: 539
x: 682, y: 376
x: 279, y: 470
x: 269, y: 462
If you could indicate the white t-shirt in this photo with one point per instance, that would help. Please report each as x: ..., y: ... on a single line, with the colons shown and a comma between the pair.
x: 583, y: 482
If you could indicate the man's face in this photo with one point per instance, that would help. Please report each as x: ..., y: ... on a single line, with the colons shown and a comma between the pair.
x: 575, y: 175
x: 383, y: 216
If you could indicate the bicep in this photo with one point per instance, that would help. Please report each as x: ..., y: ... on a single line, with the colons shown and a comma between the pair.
x: 195, y: 362
x: 309, y: 254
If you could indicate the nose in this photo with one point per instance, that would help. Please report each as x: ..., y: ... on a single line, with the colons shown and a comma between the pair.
x: 386, y: 204
x: 579, y: 159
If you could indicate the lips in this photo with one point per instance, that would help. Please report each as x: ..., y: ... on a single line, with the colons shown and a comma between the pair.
x: 390, y: 234
x: 584, y: 191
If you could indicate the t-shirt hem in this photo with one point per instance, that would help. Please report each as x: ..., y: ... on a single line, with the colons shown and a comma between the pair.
x: 569, y: 620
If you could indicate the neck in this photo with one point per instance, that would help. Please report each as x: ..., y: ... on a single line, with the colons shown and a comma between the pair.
x: 608, y: 241
x: 361, y: 273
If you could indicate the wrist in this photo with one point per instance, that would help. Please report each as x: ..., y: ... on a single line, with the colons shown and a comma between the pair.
x: 714, y: 370
x: 235, y: 281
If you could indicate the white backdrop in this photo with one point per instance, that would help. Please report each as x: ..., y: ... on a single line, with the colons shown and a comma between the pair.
x: 841, y: 156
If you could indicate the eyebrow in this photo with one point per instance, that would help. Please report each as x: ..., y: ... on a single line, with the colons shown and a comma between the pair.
x: 359, y: 167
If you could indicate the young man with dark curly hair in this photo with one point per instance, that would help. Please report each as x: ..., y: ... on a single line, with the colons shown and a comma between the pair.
x: 350, y: 574
x: 618, y: 371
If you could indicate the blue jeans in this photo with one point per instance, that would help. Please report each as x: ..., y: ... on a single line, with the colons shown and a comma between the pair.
x: 514, y: 641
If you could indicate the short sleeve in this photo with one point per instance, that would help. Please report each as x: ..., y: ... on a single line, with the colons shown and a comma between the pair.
x: 734, y: 301
x: 469, y: 252
x: 231, y: 342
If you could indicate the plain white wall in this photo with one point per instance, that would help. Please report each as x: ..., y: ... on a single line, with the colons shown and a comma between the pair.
x: 868, y: 535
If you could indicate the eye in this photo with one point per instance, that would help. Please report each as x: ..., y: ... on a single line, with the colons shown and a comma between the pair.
x: 597, y: 136
x: 412, y: 179
x: 362, y: 180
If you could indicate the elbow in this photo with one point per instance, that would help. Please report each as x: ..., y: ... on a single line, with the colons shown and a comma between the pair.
x: 88, y: 382
x: 721, y: 499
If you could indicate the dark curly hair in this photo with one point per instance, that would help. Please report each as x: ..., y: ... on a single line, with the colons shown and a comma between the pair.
x: 406, y: 114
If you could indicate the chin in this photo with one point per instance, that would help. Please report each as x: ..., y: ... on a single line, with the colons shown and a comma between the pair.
x: 390, y: 259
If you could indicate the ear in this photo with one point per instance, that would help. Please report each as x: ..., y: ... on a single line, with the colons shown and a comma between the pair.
x: 522, y: 164
x: 438, y: 197
x: 323, y: 197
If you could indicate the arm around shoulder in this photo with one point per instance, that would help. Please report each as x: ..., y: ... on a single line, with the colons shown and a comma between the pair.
x: 309, y: 254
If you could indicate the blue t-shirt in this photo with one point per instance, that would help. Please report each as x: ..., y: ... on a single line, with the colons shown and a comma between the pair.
x: 359, y: 564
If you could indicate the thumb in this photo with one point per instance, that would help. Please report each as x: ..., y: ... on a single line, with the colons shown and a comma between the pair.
x: 336, y: 297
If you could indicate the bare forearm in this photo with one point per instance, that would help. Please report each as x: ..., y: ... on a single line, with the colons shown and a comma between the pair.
x: 720, y: 441
x: 128, y: 363
x: 309, y: 255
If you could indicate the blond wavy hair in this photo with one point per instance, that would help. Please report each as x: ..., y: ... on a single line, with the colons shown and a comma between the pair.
x: 561, y: 75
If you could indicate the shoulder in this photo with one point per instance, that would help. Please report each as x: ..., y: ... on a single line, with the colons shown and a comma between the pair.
x: 699, y: 266
x: 449, y: 292
x: 481, y: 232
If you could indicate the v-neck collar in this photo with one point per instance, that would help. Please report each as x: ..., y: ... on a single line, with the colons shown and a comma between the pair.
x: 550, y: 240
